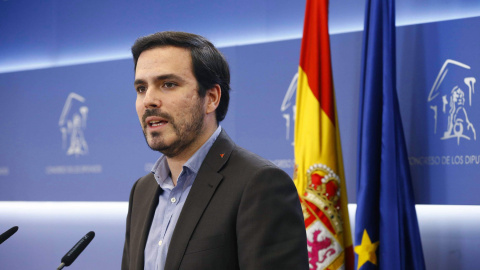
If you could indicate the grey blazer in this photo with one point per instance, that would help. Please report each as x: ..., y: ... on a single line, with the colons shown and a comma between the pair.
x: 242, y: 212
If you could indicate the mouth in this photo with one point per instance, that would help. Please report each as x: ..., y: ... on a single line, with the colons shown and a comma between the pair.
x: 155, y: 122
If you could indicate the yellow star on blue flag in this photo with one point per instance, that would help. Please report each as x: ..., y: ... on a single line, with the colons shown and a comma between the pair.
x: 366, y: 250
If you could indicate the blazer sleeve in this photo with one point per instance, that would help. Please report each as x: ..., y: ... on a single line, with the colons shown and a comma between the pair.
x: 270, y: 227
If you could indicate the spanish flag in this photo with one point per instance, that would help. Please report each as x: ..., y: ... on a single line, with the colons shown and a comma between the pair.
x: 319, y: 175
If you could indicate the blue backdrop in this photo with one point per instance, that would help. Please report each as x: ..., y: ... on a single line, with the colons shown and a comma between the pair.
x: 71, y: 133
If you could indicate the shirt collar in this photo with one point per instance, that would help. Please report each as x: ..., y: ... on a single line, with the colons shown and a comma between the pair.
x: 161, y: 170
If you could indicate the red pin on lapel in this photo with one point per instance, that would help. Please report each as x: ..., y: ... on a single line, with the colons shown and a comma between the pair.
x: 221, y: 155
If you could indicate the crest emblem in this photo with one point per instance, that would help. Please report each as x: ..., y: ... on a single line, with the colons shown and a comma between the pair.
x: 321, y: 212
x: 72, y: 123
x: 451, y: 99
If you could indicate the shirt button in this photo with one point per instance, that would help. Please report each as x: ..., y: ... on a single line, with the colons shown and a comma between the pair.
x: 160, y: 242
x: 173, y: 200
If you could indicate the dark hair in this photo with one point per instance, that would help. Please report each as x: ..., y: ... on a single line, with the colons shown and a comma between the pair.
x: 209, y: 65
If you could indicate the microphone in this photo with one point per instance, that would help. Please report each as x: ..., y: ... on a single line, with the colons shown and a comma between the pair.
x: 71, y: 255
x: 8, y: 233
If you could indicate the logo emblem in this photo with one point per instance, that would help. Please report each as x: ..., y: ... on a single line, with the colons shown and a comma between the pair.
x: 289, y: 102
x: 72, y: 123
x: 451, y: 100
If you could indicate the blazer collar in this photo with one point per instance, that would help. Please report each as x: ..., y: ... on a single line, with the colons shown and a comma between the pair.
x: 202, y: 190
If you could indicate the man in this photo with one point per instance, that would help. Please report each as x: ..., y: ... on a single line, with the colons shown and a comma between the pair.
x: 208, y: 204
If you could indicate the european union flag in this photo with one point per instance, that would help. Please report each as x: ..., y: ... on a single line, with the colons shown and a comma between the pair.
x: 386, y: 229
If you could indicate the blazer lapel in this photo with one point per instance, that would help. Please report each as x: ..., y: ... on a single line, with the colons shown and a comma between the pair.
x: 202, y: 191
x: 148, y: 202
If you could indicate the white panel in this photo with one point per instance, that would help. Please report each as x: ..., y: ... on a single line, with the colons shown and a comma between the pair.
x: 47, y: 230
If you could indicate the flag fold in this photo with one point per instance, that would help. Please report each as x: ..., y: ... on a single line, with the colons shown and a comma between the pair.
x: 319, y: 175
x: 386, y: 227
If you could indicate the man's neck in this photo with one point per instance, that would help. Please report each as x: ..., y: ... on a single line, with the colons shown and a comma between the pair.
x: 176, y: 163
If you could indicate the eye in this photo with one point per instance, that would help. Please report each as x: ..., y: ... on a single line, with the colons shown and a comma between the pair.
x: 141, y: 89
x: 169, y: 85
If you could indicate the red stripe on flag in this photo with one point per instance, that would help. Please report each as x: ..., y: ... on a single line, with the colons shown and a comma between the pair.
x: 316, y: 46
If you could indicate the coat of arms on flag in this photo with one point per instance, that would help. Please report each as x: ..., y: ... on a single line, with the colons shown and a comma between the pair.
x: 321, y: 210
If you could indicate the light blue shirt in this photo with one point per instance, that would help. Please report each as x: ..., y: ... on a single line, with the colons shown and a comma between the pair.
x: 170, y: 203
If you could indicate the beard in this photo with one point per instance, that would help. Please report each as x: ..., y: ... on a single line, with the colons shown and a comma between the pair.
x: 186, y: 127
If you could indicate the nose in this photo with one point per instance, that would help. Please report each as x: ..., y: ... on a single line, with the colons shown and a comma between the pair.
x: 151, y: 99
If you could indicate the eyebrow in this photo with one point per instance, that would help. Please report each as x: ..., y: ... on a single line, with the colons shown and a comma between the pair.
x: 161, y: 78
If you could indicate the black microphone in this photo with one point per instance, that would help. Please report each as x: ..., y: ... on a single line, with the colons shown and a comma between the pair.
x: 8, y: 233
x: 71, y: 255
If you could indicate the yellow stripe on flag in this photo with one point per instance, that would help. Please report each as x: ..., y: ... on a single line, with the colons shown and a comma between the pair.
x: 314, y: 133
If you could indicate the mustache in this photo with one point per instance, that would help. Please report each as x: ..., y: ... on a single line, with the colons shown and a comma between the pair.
x: 156, y: 112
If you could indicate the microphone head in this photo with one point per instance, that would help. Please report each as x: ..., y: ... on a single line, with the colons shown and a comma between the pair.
x: 4, y: 236
x: 73, y: 253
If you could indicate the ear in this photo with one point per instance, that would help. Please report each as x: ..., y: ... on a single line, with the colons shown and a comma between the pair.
x: 212, y: 98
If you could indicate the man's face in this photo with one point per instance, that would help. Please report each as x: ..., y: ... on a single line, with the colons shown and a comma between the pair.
x: 168, y: 106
